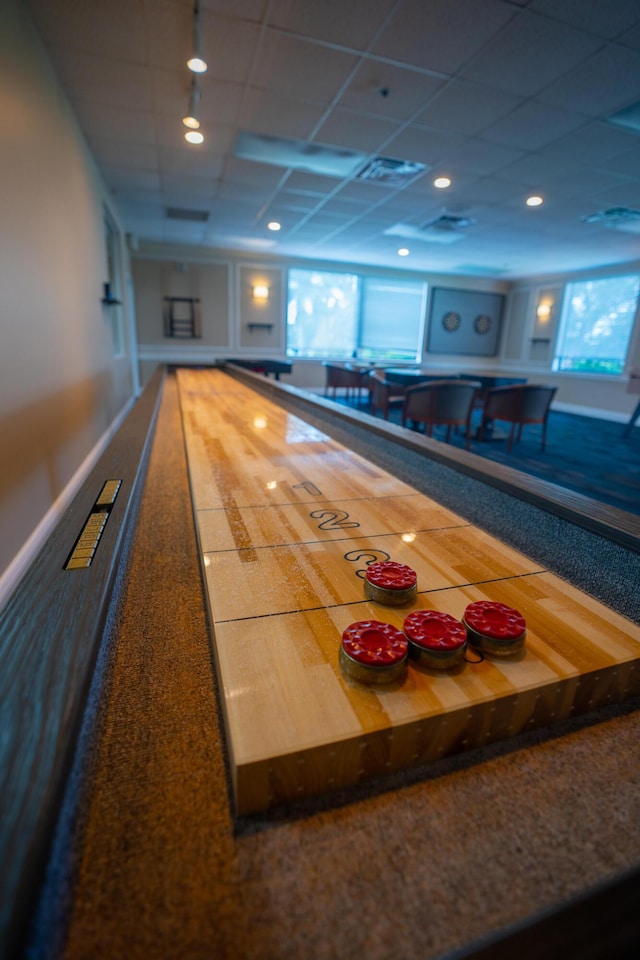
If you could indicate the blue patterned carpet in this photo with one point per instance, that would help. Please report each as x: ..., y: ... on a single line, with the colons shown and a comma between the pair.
x: 584, y: 454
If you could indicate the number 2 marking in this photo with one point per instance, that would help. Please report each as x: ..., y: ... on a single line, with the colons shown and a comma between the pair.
x: 335, y: 519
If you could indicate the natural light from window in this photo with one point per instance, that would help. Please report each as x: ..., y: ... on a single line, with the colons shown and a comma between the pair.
x: 322, y: 314
x: 346, y: 316
x: 596, y: 324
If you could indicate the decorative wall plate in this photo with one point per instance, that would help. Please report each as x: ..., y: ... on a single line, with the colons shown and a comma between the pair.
x: 451, y: 321
x: 482, y: 323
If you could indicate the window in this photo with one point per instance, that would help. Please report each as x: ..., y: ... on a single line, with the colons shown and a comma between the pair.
x: 392, y: 319
x: 342, y: 316
x: 322, y: 317
x: 596, y: 324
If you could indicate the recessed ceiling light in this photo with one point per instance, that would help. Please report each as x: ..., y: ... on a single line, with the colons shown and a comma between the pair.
x: 403, y: 252
x: 274, y: 225
x: 442, y: 183
x: 534, y: 201
x: 193, y: 136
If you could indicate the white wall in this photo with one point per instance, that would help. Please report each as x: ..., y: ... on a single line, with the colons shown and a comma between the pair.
x: 61, y: 387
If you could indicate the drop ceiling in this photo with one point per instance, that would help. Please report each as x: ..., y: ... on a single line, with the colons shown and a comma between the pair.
x: 506, y: 97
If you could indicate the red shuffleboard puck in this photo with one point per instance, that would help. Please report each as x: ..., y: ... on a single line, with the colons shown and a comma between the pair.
x: 436, y: 640
x: 495, y: 628
x: 373, y: 652
x: 391, y: 583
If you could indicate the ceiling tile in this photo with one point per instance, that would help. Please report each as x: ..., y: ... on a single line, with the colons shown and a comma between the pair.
x: 190, y: 161
x: 535, y: 171
x: 279, y: 115
x: 242, y: 9
x: 407, y: 90
x: 482, y: 158
x: 106, y: 80
x: 532, y: 125
x: 116, y: 123
x: 592, y: 143
x: 285, y: 64
x: 423, y: 145
x: 627, y: 162
x: 606, y: 82
x: 94, y: 27
x: 465, y: 107
x: 604, y: 19
x: 352, y: 24
x: 529, y: 54
x: 352, y: 129
x: 443, y: 34
x: 138, y: 179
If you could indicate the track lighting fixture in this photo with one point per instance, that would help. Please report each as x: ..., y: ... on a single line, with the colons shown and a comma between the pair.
x: 192, y: 119
x: 196, y: 62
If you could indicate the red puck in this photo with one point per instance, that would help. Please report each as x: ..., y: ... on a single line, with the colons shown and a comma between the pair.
x: 389, y: 582
x: 373, y: 652
x: 435, y: 639
x: 495, y: 627
x: 391, y: 575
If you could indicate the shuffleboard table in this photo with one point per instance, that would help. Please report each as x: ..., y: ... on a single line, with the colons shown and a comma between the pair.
x: 287, y: 522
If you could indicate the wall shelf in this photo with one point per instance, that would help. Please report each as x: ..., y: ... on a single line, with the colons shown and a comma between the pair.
x: 260, y: 326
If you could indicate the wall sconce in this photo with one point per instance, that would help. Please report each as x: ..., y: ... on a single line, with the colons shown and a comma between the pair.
x: 107, y: 296
x: 544, y: 311
x: 260, y: 291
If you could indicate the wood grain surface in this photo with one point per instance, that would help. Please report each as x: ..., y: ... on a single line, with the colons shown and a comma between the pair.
x: 287, y: 521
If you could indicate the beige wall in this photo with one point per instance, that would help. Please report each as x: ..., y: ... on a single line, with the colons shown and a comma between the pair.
x: 60, y: 385
x: 236, y: 326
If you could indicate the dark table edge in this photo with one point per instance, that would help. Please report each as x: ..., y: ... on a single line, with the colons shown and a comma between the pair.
x: 38, y: 750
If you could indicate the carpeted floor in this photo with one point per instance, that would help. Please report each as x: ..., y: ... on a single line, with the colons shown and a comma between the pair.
x: 584, y: 454
x: 150, y: 862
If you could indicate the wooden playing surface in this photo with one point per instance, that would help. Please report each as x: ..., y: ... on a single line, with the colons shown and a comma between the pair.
x: 287, y: 521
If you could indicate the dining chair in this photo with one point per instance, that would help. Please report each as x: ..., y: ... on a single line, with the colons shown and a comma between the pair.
x: 383, y: 393
x: 519, y: 404
x: 441, y: 403
x: 342, y: 376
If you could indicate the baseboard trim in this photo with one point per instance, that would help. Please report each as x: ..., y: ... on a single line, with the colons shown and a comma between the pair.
x: 594, y: 412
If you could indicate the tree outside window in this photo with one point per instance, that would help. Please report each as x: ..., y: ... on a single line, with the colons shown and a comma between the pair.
x: 322, y: 315
x: 596, y: 325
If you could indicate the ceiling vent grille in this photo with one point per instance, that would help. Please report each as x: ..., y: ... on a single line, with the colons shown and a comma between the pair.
x: 617, y: 218
x: 448, y: 221
x: 391, y: 172
x: 614, y: 215
x: 182, y: 213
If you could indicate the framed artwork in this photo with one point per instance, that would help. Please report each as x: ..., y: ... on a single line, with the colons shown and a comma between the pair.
x: 465, y: 322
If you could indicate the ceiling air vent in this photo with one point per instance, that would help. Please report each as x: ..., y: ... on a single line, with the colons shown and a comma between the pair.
x: 617, y: 218
x: 447, y: 228
x: 181, y: 213
x: 448, y: 221
x: 391, y: 172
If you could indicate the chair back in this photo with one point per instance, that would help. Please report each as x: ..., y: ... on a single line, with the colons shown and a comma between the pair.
x: 519, y: 403
x: 441, y: 403
x: 383, y: 392
x: 536, y: 401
